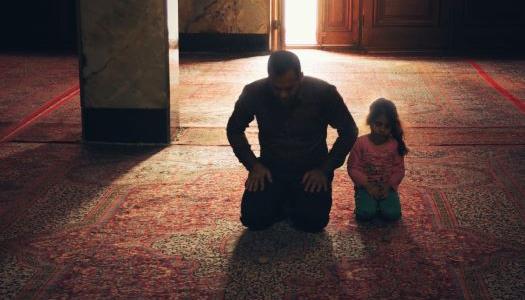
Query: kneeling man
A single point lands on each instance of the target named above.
(292, 177)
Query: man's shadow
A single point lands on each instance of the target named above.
(281, 262)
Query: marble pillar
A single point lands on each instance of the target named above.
(224, 25)
(124, 71)
(224, 16)
(173, 28)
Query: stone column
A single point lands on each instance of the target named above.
(124, 71)
(173, 28)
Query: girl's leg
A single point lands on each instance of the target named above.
(390, 208)
(365, 205)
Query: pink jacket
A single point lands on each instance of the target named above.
(376, 163)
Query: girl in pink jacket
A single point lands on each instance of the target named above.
(376, 164)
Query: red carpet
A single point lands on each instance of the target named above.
(130, 222)
(519, 103)
(27, 82)
(42, 111)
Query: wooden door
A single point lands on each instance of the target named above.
(276, 25)
(338, 22)
(405, 24)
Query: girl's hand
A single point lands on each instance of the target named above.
(374, 190)
(385, 189)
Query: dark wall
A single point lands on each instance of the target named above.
(489, 25)
(35, 25)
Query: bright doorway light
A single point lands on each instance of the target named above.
(300, 22)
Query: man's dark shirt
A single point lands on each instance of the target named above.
(292, 135)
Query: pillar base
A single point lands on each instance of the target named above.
(126, 125)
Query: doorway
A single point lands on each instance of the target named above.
(314, 23)
(300, 22)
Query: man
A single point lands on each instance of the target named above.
(293, 175)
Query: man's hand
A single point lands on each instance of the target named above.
(257, 178)
(315, 181)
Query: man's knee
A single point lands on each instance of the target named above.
(311, 211)
(257, 210)
(256, 217)
(310, 223)
(256, 223)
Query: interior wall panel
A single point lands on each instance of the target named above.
(405, 24)
(406, 13)
(338, 22)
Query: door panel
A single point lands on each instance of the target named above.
(338, 22)
(406, 13)
(405, 24)
(276, 28)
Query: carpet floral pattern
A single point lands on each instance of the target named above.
(90, 222)
(146, 229)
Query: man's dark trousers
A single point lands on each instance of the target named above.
(285, 197)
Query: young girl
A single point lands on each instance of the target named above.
(376, 164)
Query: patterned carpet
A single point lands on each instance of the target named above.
(28, 81)
(79, 221)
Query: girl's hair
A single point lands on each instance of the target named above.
(387, 108)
